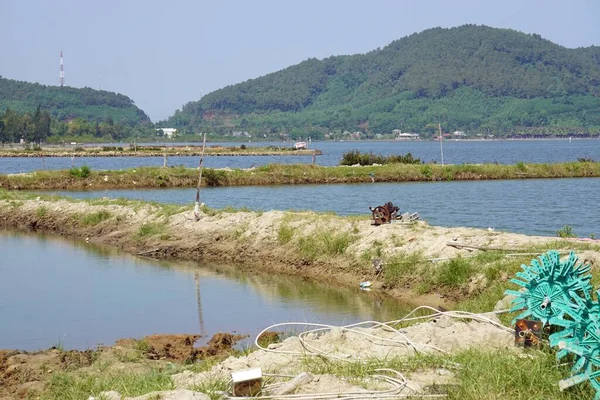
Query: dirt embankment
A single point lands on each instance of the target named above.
(310, 245)
(287, 174)
(23, 374)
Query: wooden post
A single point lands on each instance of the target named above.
(441, 140)
(200, 167)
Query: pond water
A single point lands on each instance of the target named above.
(455, 152)
(535, 206)
(76, 294)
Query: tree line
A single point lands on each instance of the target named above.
(68, 103)
(471, 78)
(40, 127)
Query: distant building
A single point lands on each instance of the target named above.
(458, 134)
(241, 134)
(399, 135)
(168, 132)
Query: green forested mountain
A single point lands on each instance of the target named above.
(67, 103)
(471, 78)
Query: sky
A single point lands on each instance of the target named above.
(163, 54)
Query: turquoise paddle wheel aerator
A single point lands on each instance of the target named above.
(559, 293)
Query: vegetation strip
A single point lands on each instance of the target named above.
(275, 174)
(154, 151)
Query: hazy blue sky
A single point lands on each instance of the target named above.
(163, 54)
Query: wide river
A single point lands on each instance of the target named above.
(534, 206)
(455, 152)
(78, 295)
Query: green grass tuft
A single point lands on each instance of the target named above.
(64, 386)
(151, 229)
(285, 233)
(41, 211)
(454, 273)
(402, 266)
(325, 244)
(95, 218)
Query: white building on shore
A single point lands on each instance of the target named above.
(168, 132)
(404, 135)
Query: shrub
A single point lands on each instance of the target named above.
(214, 177)
(354, 157)
(426, 171)
(111, 148)
(82, 172)
(566, 232)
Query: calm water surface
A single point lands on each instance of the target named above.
(455, 152)
(56, 291)
(535, 207)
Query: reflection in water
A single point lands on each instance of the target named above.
(199, 301)
(82, 294)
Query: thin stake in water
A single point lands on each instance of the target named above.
(441, 141)
(200, 166)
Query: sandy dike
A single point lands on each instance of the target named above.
(254, 240)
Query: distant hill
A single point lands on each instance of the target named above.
(65, 103)
(470, 78)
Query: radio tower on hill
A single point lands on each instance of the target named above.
(61, 77)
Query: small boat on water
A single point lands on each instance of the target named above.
(300, 145)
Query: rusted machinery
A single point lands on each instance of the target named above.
(384, 214)
(389, 212)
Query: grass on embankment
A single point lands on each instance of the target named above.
(275, 174)
(478, 375)
(103, 376)
(153, 151)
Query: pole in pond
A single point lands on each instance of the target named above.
(441, 141)
(165, 158)
(200, 167)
